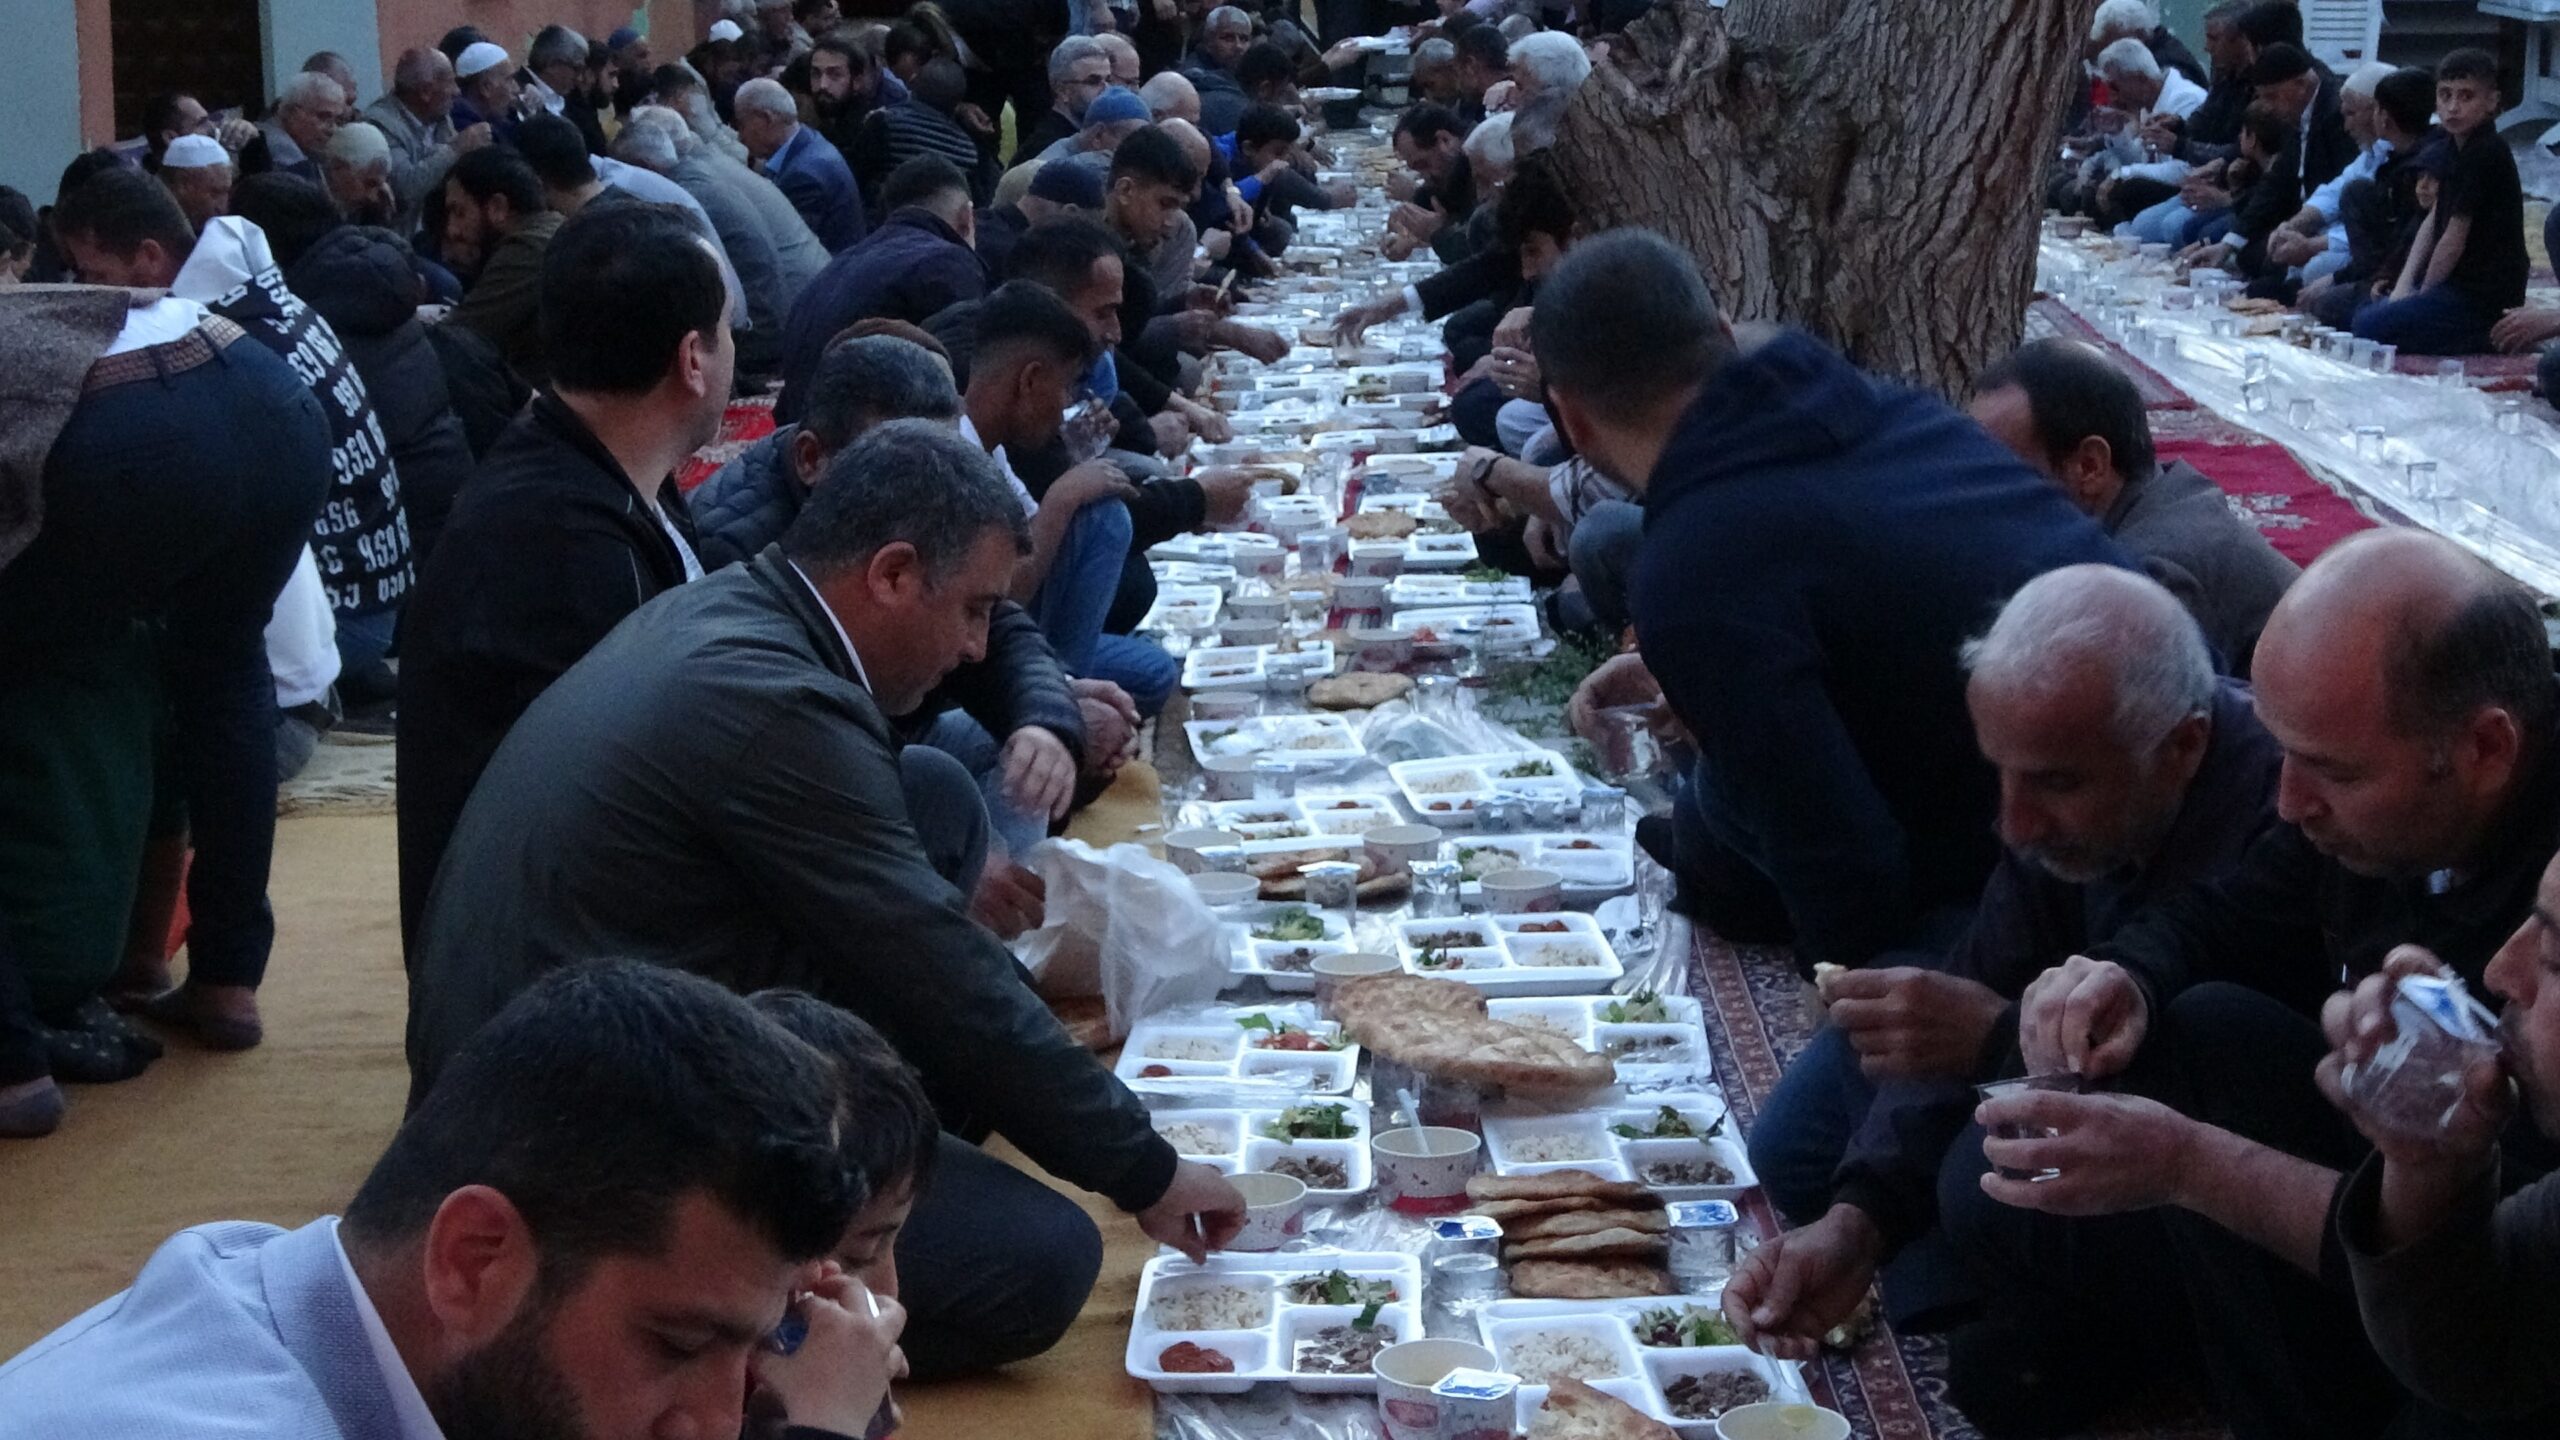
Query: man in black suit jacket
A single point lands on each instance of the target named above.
(572, 521)
(2307, 98)
(717, 788)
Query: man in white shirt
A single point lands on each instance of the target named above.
(2143, 91)
(620, 1188)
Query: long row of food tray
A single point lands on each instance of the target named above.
(1346, 562)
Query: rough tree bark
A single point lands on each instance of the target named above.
(1871, 170)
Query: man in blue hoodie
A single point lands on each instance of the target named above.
(1817, 547)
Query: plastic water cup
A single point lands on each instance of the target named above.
(2254, 366)
(2369, 441)
(2300, 411)
(2510, 417)
(2254, 395)
(2449, 373)
(2424, 483)
(2385, 357)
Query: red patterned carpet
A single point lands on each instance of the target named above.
(746, 422)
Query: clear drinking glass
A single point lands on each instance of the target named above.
(2369, 442)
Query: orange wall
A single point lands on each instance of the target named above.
(410, 23)
(97, 72)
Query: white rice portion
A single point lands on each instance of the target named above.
(1191, 1137)
(1555, 955)
(1210, 1307)
(1538, 1149)
(1543, 1357)
(1190, 1047)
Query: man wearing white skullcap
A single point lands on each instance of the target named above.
(724, 30)
(197, 171)
(490, 94)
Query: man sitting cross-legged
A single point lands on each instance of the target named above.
(2126, 772)
(587, 1228)
(2410, 687)
(716, 787)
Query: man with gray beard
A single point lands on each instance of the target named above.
(2127, 771)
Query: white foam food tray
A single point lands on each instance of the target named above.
(1657, 1042)
(1251, 667)
(1511, 954)
(1427, 551)
(1592, 865)
(1298, 739)
(1286, 1044)
(1301, 818)
(1507, 1326)
(1432, 592)
(1263, 1352)
(1447, 790)
(1253, 1139)
(1282, 965)
(1184, 609)
(1442, 629)
(1527, 1140)
(1192, 572)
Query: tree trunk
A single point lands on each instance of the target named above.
(1871, 170)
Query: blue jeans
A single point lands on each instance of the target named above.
(364, 639)
(955, 734)
(2440, 321)
(1602, 552)
(949, 819)
(2165, 223)
(1805, 1125)
(1084, 576)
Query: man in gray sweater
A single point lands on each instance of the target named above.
(2070, 413)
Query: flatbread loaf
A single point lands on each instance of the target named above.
(1588, 1222)
(1357, 691)
(1508, 1211)
(1381, 525)
(1575, 1411)
(1440, 1027)
(1556, 1184)
(1615, 1243)
(1578, 1280)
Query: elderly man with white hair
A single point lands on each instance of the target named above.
(356, 171)
(1546, 68)
(2136, 20)
(2128, 771)
(1170, 96)
(802, 163)
(2145, 94)
(307, 111)
(197, 171)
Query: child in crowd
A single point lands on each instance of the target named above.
(2467, 266)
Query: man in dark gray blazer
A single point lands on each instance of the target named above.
(717, 787)
(2070, 413)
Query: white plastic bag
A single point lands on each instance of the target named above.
(1127, 925)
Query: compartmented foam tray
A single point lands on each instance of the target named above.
(1284, 1044)
(1234, 1141)
(1283, 965)
(1251, 667)
(1512, 954)
(1658, 1042)
(1442, 630)
(1302, 817)
(1523, 1140)
(1233, 1289)
(1598, 865)
(1433, 592)
(1597, 1340)
(1299, 739)
(1184, 609)
(1446, 791)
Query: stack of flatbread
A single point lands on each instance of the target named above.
(1572, 1235)
(1381, 525)
(1282, 880)
(1440, 1028)
(1575, 1411)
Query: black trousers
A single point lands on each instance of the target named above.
(992, 1267)
(2282, 1352)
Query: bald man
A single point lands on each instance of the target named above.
(2127, 771)
(1171, 97)
(2410, 687)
